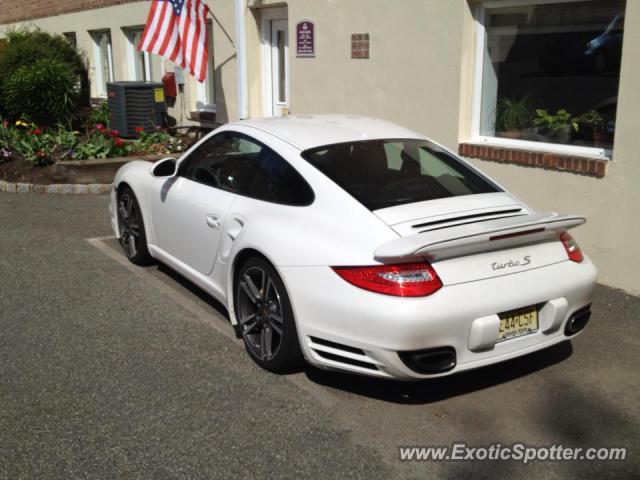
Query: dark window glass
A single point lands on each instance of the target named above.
(551, 72)
(239, 164)
(384, 173)
(71, 38)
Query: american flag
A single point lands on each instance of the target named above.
(177, 31)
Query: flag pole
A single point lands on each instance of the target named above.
(220, 25)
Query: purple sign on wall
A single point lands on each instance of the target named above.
(305, 39)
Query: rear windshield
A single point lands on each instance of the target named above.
(384, 173)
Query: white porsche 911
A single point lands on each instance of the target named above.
(357, 245)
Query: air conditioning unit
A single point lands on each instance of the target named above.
(136, 104)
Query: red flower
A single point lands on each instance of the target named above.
(36, 131)
(100, 127)
(119, 142)
(139, 129)
(114, 133)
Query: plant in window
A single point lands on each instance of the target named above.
(593, 120)
(512, 116)
(595, 124)
(556, 128)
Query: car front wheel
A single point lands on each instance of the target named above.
(265, 317)
(131, 227)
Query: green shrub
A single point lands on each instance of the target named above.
(45, 93)
(25, 47)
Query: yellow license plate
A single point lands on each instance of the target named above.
(517, 323)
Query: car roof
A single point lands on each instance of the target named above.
(309, 131)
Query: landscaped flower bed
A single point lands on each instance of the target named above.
(45, 145)
(28, 151)
(45, 117)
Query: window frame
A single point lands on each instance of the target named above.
(480, 15)
(185, 162)
(132, 51)
(101, 82)
(71, 37)
(205, 91)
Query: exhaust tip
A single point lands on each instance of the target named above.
(577, 321)
(430, 361)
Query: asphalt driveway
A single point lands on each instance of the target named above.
(110, 371)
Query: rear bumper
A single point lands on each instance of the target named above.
(332, 314)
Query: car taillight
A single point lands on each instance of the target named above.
(572, 248)
(403, 280)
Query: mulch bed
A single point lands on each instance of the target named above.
(21, 171)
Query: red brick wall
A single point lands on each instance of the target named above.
(19, 10)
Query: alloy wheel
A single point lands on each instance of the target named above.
(129, 219)
(260, 313)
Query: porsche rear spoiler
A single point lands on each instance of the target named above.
(479, 236)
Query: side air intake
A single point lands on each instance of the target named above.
(343, 354)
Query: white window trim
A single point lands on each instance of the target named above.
(201, 95)
(208, 86)
(476, 137)
(268, 14)
(97, 60)
(131, 54)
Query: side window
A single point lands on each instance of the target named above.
(211, 161)
(237, 163)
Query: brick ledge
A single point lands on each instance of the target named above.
(593, 167)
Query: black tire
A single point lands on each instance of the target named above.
(263, 311)
(131, 227)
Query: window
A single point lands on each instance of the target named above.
(103, 61)
(548, 73)
(384, 173)
(206, 89)
(71, 38)
(139, 63)
(239, 164)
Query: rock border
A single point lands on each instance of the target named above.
(75, 188)
(57, 188)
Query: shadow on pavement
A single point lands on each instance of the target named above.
(194, 289)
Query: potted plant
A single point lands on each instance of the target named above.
(555, 128)
(512, 116)
(594, 122)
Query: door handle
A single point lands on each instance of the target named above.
(213, 221)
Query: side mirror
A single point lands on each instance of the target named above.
(164, 168)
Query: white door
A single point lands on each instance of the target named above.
(276, 61)
(189, 209)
